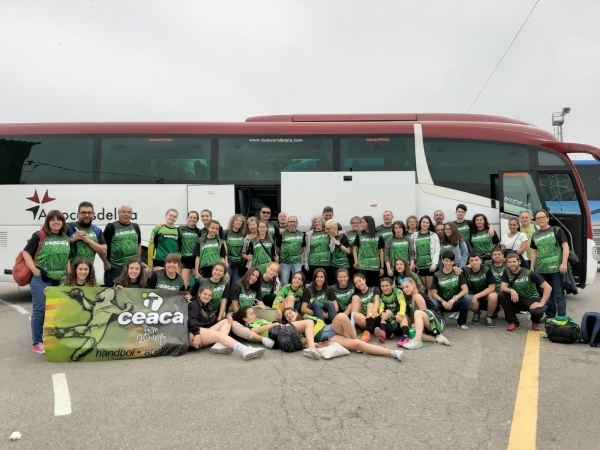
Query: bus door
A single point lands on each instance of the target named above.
(219, 199)
(553, 191)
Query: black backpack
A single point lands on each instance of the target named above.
(563, 330)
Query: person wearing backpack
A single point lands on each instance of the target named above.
(549, 259)
(47, 256)
(87, 240)
(520, 292)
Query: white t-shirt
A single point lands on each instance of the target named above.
(515, 242)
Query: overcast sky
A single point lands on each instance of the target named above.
(187, 61)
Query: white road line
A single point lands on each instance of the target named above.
(62, 399)
(17, 307)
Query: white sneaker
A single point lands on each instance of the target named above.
(441, 339)
(220, 349)
(397, 354)
(454, 315)
(253, 352)
(413, 344)
(268, 342)
(311, 353)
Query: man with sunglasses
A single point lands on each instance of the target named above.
(265, 215)
(86, 239)
(549, 256)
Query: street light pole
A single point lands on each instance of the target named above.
(558, 119)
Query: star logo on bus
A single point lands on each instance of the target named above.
(36, 199)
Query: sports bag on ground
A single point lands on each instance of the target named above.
(590, 329)
(563, 330)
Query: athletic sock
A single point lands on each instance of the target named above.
(384, 327)
(370, 325)
(241, 348)
(404, 331)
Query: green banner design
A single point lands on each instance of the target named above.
(99, 324)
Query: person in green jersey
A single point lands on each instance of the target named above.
(262, 249)
(426, 318)
(351, 236)
(397, 247)
(234, 238)
(527, 228)
(124, 243)
(497, 268)
(451, 291)
(426, 247)
(317, 254)
(392, 309)
(168, 278)
(549, 258)
(385, 229)
(520, 292)
(290, 295)
(219, 287)
(210, 249)
(402, 270)
(318, 299)
(247, 291)
(343, 292)
(265, 216)
(483, 237)
(86, 239)
(82, 274)
(368, 252)
(365, 307)
(47, 256)
(463, 225)
(133, 276)
(452, 241)
(206, 217)
(251, 234)
(270, 284)
(189, 236)
(290, 246)
(204, 329)
(412, 224)
(246, 317)
(482, 290)
(338, 246)
(342, 332)
(164, 240)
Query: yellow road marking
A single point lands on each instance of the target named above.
(523, 432)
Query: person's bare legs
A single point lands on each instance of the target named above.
(342, 326)
(307, 328)
(422, 321)
(358, 345)
(186, 275)
(223, 326)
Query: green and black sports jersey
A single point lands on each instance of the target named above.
(351, 235)
(81, 250)
(220, 290)
(448, 285)
(245, 297)
(343, 296)
(266, 287)
(395, 302)
(164, 282)
(319, 254)
(166, 240)
(483, 243)
(549, 249)
(272, 231)
(235, 243)
(263, 254)
(464, 228)
(320, 297)
(339, 259)
(189, 237)
(527, 283)
(210, 251)
(384, 232)
(399, 248)
(445, 248)
(418, 282)
(290, 244)
(479, 281)
(260, 323)
(124, 245)
(497, 273)
(367, 298)
(368, 251)
(286, 292)
(423, 251)
(54, 256)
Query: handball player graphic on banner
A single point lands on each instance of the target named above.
(96, 324)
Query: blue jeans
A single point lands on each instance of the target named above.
(557, 303)
(234, 273)
(462, 306)
(112, 275)
(38, 299)
(318, 310)
(286, 270)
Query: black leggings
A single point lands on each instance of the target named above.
(268, 300)
(372, 277)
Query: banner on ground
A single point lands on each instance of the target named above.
(98, 324)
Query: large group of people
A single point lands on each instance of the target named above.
(395, 280)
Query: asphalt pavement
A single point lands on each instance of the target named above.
(460, 397)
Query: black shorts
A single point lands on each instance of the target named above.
(483, 304)
(188, 262)
(158, 263)
(425, 272)
(206, 271)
